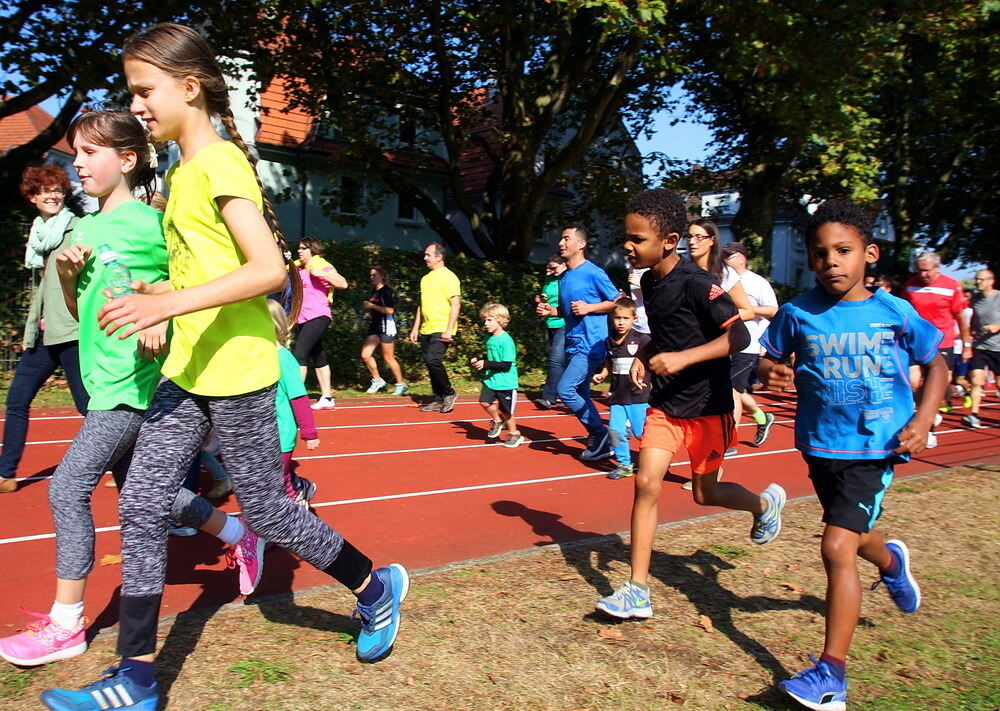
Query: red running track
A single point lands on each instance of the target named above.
(420, 488)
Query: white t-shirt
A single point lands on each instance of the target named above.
(760, 293)
(641, 324)
(729, 278)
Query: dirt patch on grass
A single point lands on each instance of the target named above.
(519, 632)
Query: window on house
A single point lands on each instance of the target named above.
(351, 194)
(407, 131)
(405, 209)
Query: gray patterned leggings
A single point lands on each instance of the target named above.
(104, 441)
(171, 435)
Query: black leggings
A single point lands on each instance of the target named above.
(309, 342)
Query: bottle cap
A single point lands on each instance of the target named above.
(105, 254)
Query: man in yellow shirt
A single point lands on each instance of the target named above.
(436, 323)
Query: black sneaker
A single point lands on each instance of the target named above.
(543, 404)
(763, 430)
(598, 447)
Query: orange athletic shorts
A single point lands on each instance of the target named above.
(705, 438)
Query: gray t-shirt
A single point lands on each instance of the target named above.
(985, 310)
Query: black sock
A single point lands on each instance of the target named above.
(894, 569)
(371, 592)
(143, 673)
(837, 666)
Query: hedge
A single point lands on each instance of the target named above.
(512, 284)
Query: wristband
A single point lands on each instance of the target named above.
(967, 344)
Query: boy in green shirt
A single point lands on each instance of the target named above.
(499, 394)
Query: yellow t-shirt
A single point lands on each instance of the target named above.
(436, 288)
(227, 350)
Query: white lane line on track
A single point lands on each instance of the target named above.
(455, 490)
(422, 422)
(418, 494)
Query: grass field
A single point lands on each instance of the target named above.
(519, 632)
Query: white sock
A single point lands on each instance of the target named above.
(67, 616)
(232, 532)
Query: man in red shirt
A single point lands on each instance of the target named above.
(939, 299)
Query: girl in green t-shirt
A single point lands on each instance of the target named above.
(222, 368)
(112, 158)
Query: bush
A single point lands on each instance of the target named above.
(512, 284)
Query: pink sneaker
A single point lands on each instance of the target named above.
(248, 554)
(44, 641)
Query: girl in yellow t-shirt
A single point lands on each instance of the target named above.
(222, 367)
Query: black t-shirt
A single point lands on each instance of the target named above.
(620, 357)
(380, 322)
(686, 308)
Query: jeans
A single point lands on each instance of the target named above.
(574, 389)
(34, 368)
(634, 415)
(556, 348)
(433, 350)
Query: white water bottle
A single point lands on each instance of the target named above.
(117, 277)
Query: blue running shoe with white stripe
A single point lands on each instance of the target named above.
(113, 691)
(380, 620)
(817, 688)
(630, 600)
(903, 589)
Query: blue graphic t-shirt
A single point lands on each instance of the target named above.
(851, 370)
(585, 334)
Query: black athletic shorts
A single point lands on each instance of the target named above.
(949, 357)
(850, 490)
(506, 400)
(741, 370)
(981, 360)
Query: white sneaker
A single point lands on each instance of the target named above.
(375, 386)
(931, 440)
(324, 403)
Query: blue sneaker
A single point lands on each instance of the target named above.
(817, 688)
(903, 590)
(630, 600)
(380, 621)
(598, 447)
(767, 526)
(113, 691)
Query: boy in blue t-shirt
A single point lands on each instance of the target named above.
(586, 296)
(499, 394)
(852, 349)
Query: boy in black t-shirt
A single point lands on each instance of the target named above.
(694, 327)
(628, 402)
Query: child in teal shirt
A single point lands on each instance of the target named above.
(499, 394)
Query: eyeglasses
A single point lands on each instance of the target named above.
(698, 238)
(51, 191)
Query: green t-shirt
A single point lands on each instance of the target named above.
(551, 289)
(112, 371)
(290, 386)
(501, 348)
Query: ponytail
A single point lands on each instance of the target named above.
(229, 122)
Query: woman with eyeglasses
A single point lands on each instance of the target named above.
(555, 332)
(50, 331)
